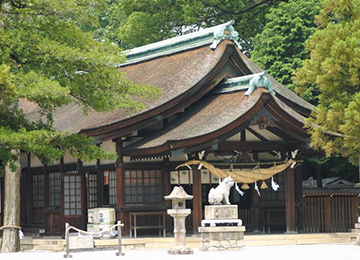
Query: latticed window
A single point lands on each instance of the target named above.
(93, 199)
(112, 187)
(143, 186)
(55, 189)
(72, 194)
(38, 190)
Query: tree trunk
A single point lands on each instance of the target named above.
(11, 239)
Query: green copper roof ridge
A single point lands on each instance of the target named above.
(165, 51)
(213, 35)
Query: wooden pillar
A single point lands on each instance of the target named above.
(299, 198)
(166, 191)
(255, 208)
(197, 201)
(255, 211)
(290, 200)
(166, 181)
(119, 181)
(328, 218)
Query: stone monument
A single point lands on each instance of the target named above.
(221, 229)
(179, 212)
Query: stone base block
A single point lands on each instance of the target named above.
(221, 238)
(180, 251)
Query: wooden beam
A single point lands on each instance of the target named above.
(260, 146)
(290, 200)
(256, 134)
(243, 135)
(276, 131)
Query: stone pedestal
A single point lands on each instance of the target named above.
(221, 230)
(357, 227)
(222, 238)
(179, 216)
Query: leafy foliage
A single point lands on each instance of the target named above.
(280, 47)
(50, 57)
(333, 68)
(332, 166)
(133, 23)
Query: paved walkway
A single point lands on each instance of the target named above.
(300, 252)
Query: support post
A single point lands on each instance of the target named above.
(67, 242)
(255, 211)
(167, 189)
(197, 201)
(119, 180)
(119, 253)
(290, 200)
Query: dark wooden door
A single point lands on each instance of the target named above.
(74, 199)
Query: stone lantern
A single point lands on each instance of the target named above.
(179, 212)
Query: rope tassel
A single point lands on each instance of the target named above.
(245, 186)
(263, 185)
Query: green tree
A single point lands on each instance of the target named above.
(280, 48)
(139, 22)
(48, 56)
(333, 67)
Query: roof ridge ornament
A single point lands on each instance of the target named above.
(225, 32)
(247, 82)
(260, 80)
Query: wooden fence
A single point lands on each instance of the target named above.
(245, 216)
(330, 212)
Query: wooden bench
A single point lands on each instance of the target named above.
(135, 225)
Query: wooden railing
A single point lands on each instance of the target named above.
(330, 212)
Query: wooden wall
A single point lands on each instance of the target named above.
(330, 212)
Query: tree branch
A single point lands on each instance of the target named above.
(245, 9)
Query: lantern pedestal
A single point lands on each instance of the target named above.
(179, 213)
(179, 216)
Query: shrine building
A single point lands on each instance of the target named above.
(216, 106)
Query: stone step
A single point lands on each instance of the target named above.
(295, 242)
(48, 241)
(52, 248)
(299, 236)
(58, 244)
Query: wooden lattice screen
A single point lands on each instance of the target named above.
(330, 212)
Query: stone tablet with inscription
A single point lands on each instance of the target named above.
(219, 212)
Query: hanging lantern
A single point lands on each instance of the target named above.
(263, 185)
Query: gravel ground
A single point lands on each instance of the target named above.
(304, 252)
